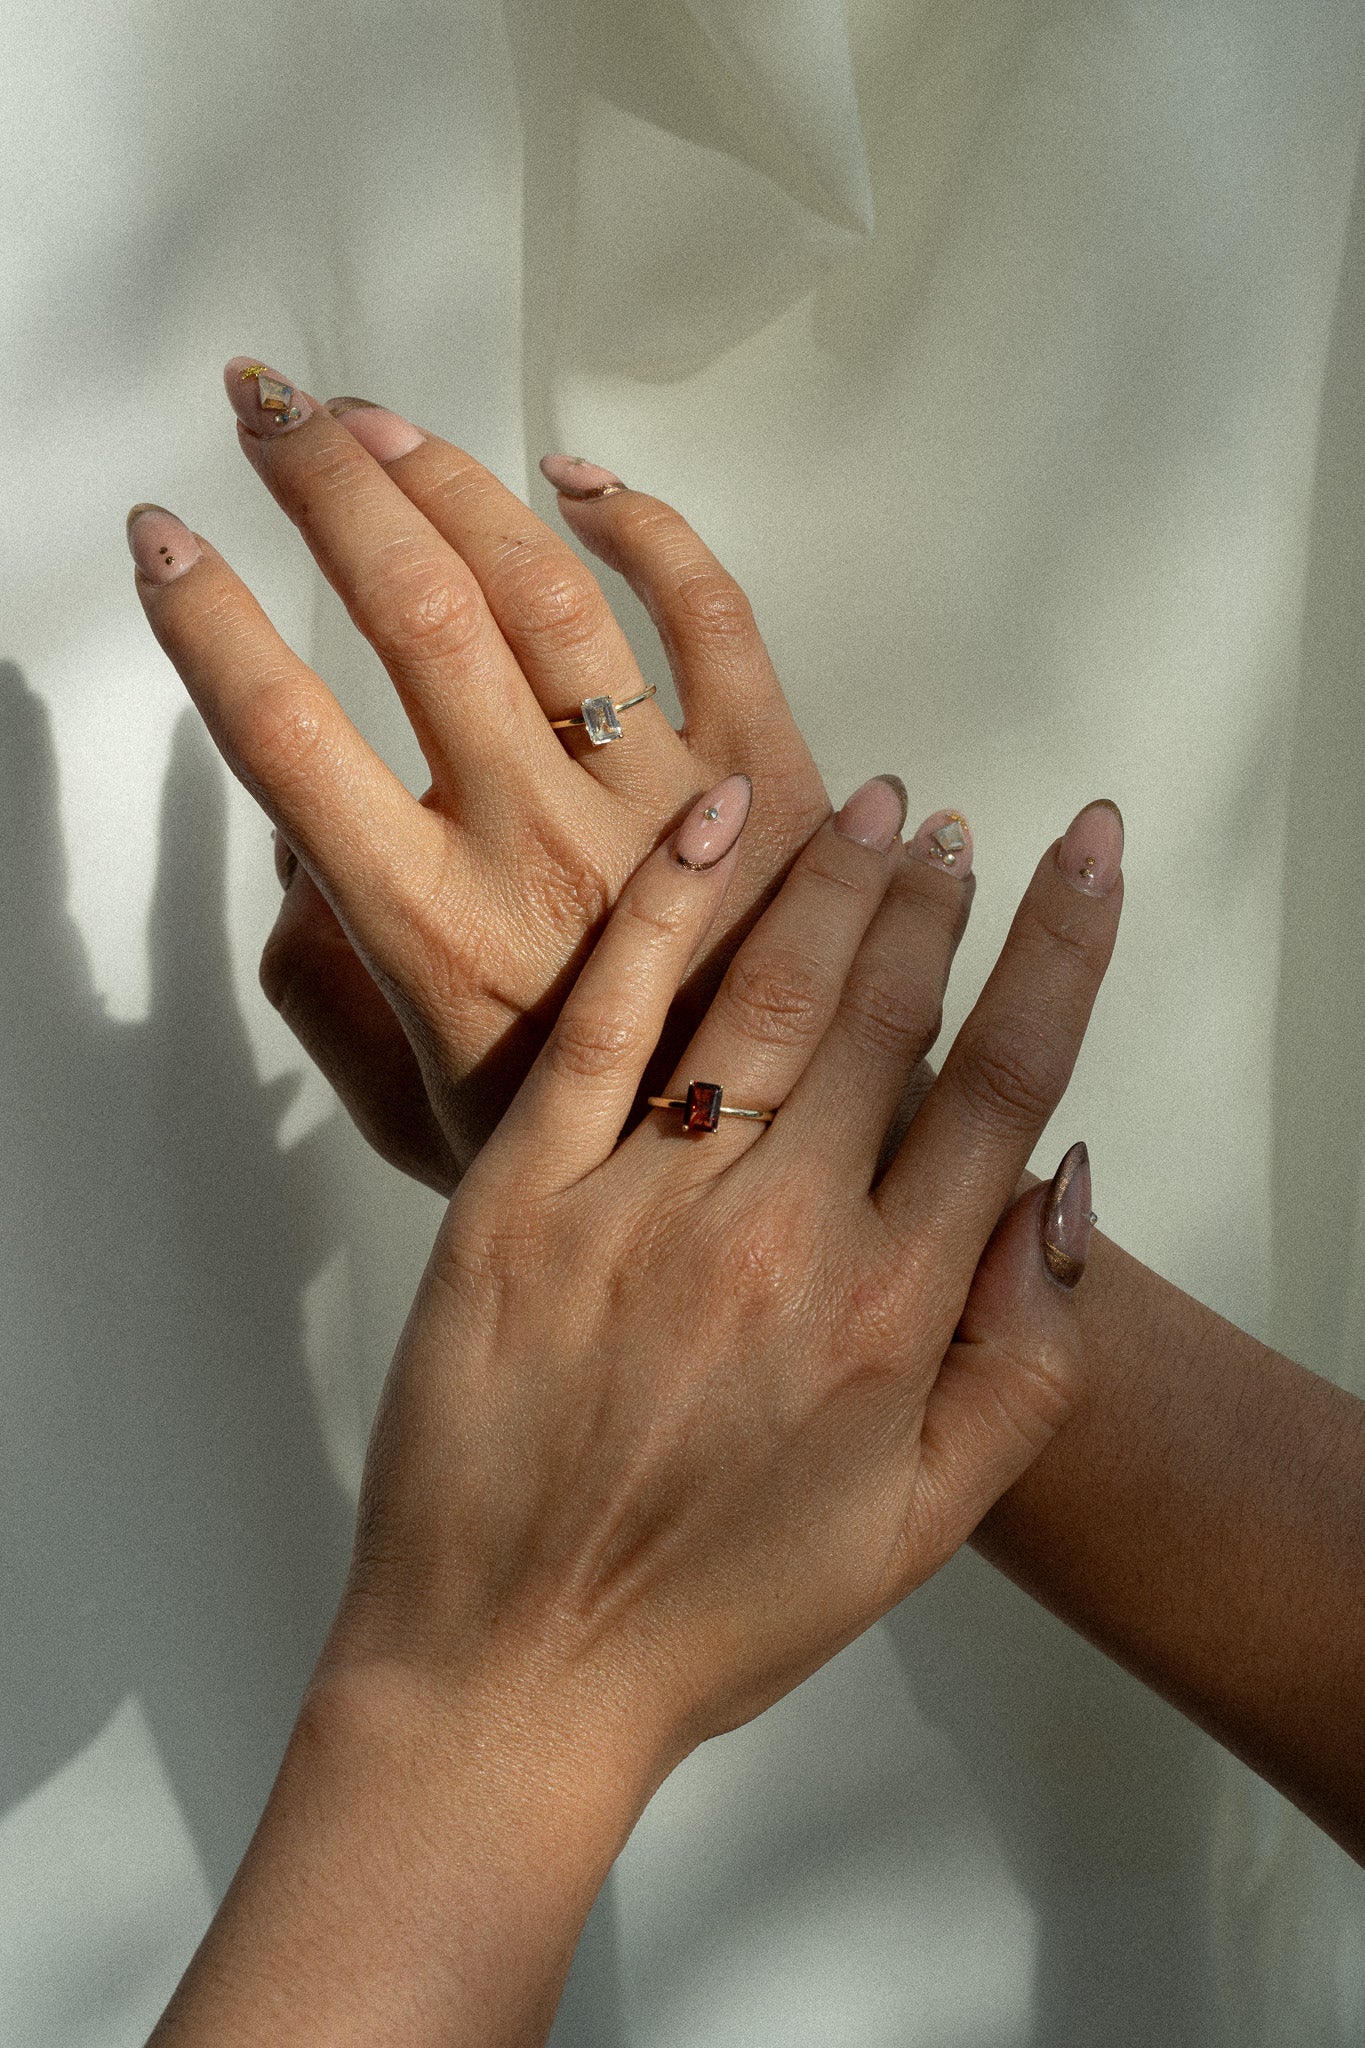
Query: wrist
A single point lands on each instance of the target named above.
(427, 1858)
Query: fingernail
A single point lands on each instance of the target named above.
(1091, 853)
(266, 403)
(1067, 1218)
(713, 824)
(162, 545)
(946, 840)
(576, 477)
(874, 814)
(386, 434)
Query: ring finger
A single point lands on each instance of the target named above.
(783, 986)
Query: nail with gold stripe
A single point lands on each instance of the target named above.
(1067, 1218)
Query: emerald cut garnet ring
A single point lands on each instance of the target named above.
(703, 1109)
(599, 718)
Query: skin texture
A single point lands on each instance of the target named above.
(1146, 1521)
(672, 1420)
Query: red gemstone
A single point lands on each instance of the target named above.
(701, 1110)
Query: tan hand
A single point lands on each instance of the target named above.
(423, 947)
(675, 1417)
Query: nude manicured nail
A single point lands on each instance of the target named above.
(576, 477)
(386, 434)
(713, 824)
(1067, 1218)
(945, 839)
(874, 814)
(1091, 853)
(162, 545)
(266, 403)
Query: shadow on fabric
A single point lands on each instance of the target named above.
(172, 1528)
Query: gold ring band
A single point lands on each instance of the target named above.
(703, 1109)
(600, 718)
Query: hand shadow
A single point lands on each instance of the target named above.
(172, 1527)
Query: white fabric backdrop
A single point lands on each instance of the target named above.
(1014, 357)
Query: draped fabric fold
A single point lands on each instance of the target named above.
(1012, 357)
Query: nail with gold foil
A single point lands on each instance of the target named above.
(266, 403)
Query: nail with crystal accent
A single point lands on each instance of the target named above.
(161, 545)
(874, 814)
(267, 404)
(575, 477)
(1067, 1218)
(713, 824)
(945, 839)
(1091, 853)
(386, 434)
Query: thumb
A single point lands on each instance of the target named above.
(1014, 1370)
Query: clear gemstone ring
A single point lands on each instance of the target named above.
(600, 718)
(703, 1109)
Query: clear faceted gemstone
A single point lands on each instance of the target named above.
(274, 397)
(600, 721)
(950, 837)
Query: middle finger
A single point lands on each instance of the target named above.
(419, 606)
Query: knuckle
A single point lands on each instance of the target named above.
(881, 1015)
(713, 607)
(539, 596)
(424, 610)
(1010, 1081)
(776, 1000)
(280, 736)
(560, 885)
(590, 1042)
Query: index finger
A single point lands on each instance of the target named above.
(960, 1162)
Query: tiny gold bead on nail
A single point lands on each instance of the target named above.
(1088, 868)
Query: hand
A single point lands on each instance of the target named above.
(422, 948)
(676, 1417)
(673, 1418)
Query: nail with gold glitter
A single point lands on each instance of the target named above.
(1067, 1219)
(161, 545)
(573, 476)
(266, 403)
(1091, 853)
(945, 841)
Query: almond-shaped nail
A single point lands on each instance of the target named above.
(1091, 852)
(713, 824)
(266, 403)
(387, 435)
(945, 840)
(162, 545)
(875, 813)
(1067, 1218)
(576, 477)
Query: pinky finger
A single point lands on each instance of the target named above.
(569, 1112)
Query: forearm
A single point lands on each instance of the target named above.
(1202, 1519)
(421, 1874)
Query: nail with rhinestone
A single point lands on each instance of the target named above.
(573, 476)
(945, 841)
(713, 824)
(267, 404)
(161, 545)
(1091, 853)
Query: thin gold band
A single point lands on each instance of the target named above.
(758, 1116)
(627, 704)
